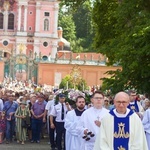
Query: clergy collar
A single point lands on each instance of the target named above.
(97, 108)
(121, 115)
(78, 112)
(61, 103)
(132, 102)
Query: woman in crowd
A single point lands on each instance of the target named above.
(2, 125)
(30, 103)
(21, 113)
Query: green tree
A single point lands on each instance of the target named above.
(123, 34)
(73, 3)
(69, 30)
(66, 81)
(84, 25)
(82, 18)
(66, 22)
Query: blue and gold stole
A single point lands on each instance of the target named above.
(121, 131)
(134, 106)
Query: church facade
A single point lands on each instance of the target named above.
(32, 46)
(28, 26)
(28, 29)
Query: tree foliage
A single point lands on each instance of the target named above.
(123, 34)
(66, 22)
(79, 22)
(73, 3)
(66, 81)
(84, 25)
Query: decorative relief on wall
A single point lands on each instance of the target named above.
(7, 5)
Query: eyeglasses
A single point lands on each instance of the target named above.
(105, 100)
(121, 102)
(97, 98)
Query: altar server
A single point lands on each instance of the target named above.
(90, 121)
(121, 129)
(73, 141)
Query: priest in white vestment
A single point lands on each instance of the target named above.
(121, 129)
(73, 140)
(146, 124)
(90, 121)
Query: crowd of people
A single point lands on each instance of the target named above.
(121, 122)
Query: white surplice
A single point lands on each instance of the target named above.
(146, 124)
(87, 121)
(73, 140)
(137, 139)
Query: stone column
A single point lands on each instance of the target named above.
(56, 8)
(38, 7)
(19, 17)
(37, 46)
(25, 18)
(5, 21)
(54, 50)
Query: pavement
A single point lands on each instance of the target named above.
(43, 145)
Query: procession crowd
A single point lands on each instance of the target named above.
(120, 122)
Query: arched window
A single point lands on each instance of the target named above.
(46, 25)
(11, 21)
(1, 20)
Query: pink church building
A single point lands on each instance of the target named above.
(32, 46)
(28, 27)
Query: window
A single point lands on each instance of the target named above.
(30, 28)
(46, 14)
(1, 20)
(30, 12)
(45, 44)
(46, 25)
(5, 43)
(11, 21)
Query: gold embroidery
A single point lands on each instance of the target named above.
(133, 107)
(121, 148)
(121, 133)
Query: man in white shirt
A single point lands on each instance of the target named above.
(48, 110)
(90, 121)
(121, 129)
(73, 141)
(59, 111)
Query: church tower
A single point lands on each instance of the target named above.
(30, 24)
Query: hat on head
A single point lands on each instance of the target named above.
(51, 97)
(62, 95)
(23, 102)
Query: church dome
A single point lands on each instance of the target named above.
(63, 44)
(59, 28)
